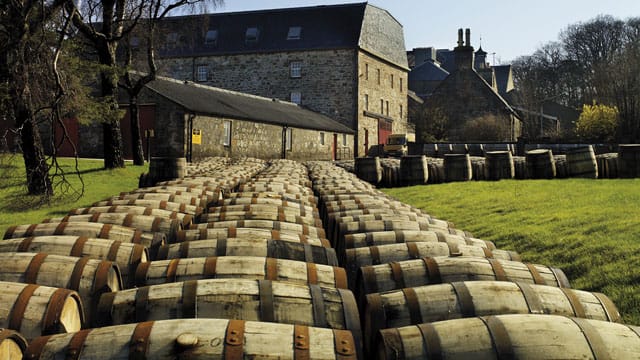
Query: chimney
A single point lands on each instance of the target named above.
(464, 52)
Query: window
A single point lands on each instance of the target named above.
(202, 73)
(295, 69)
(387, 108)
(227, 133)
(378, 72)
(296, 97)
(287, 139)
(366, 102)
(392, 79)
(344, 139)
(295, 33)
(400, 84)
(211, 38)
(366, 71)
(401, 111)
(321, 138)
(252, 35)
(381, 106)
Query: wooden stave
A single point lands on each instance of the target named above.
(161, 340)
(249, 233)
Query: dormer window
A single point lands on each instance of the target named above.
(252, 35)
(211, 38)
(295, 33)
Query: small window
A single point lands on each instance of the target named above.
(366, 102)
(401, 112)
(202, 73)
(344, 139)
(295, 33)
(387, 108)
(401, 84)
(392, 79)
(211, 39)
(366, 71)
(378, 72)
(381, 106)
(321, 138)
(172, 39)
(252, 35)
(296, 97)
(295, 69)
(227, 133)
(287, 139)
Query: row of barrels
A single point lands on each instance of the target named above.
(479, 149)
(580, 162)
(437, 292)
(251, 274)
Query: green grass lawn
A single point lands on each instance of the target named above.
(588, 228)
(18, 208)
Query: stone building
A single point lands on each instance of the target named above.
(197, 121)
(465, 95)
(347, 62)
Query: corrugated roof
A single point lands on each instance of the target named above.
(207, 100)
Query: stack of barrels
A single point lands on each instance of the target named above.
(577, 162)
(428, 290)
(229, 261)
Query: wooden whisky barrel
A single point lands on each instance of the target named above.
(156, 204)
(369, 169)
(197, 339)
(89, 277)
(426, 304)
(262, 214)
(376, 238)
(305, 199)
(540, 164)
(249, 233)
(311, 231)
(187, 199)
(185, 219)
(245, 267)
(250, 247)
(581, 162)
(511, 337)
(167, 168)
(35, 310)
(126, 255)
(499, 165)
(437, 270)
(12, 344)
(414, 170)
(457, 167)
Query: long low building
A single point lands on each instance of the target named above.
(196, 121)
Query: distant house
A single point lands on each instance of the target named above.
(197, 121)
(466, 93)
(347, 62)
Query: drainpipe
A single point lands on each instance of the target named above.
(284, 143)
(189, 137)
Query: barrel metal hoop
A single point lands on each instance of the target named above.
(172, 268)
(267, 311)
(58, 231)
(431, 340)
(308, 253)
(52, 312)
(609, 307)
(595, 341)
(301, 342)
(318, 305)
(232, 232)
(234, 340)
(20, 306)
(345, 346)
(393, 341)
(499, 337)
(433, 270)
(104, 232)
(209, 270)
(414, 252)
(340, 276)
(369, 279)
(498, 270)
(190, 299)
(576, 305)
(10, 231)
(271, 268)
(141, 273)
(275, 234)
(487, 253)
(221, 247)
(202, 234)
(103, 311)
(142, 303)
(413, 303)
(31, 273)
(312, 274)
(531, 298)
(74, 349)
(95, 217)
(163, 251)
(396, 272)
(375, 255)
(25, 244)
(535, 274)
(467, 308)
(140, 341)
(112, 255)
(102, 276)
(76, 274)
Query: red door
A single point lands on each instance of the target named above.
(147, 116)
(384, 130)
(66, 139)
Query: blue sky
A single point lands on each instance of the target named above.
(508, 28)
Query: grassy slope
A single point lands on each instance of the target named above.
(588, 228)
(17, 208)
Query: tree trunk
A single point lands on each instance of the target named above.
(38, 181)
(112, 135)
(136, 139)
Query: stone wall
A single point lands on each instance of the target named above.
(326, 84)
(380, 81)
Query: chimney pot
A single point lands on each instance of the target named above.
(460, 42)
(468, 37)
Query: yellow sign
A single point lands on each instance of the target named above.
(196, 136)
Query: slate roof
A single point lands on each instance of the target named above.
(207, 100)
(428, 71)
(503, 78)
(322, 27)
